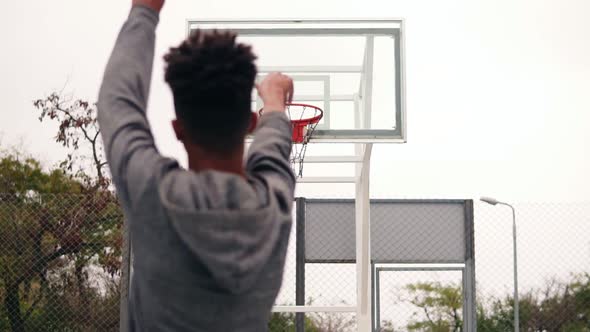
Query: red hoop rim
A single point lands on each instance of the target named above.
(300, 122)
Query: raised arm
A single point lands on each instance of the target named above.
(269, 154)
(122, 102)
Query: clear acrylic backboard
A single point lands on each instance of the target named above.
(352, 69)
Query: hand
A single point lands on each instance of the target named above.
(153, 4)
(275, 90)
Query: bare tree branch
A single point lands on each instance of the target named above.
(42, 262)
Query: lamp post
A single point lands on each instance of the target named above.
(493, 201)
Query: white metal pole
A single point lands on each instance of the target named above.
(363, 230)
(367, 77)
(363, 242)
(515, 268)
(494, 201)
(514, 260)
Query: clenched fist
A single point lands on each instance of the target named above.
(275, 90)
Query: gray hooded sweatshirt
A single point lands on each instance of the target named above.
(208, 247)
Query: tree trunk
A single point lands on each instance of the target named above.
(82, 298)
(12, 303)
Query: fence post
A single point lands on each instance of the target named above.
(300, 262)
(125, 279)
(470, 319)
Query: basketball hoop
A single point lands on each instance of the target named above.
(304, 120)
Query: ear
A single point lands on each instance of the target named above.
(253, 122)
(178, 130)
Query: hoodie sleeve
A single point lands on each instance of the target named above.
(269, 158)
(122, 102)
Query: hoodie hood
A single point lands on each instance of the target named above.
(231, 234)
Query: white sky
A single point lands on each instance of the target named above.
(498, 100)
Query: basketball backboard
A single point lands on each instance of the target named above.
(352, 69)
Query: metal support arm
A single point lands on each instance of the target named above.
(363, 240)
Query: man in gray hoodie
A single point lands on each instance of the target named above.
(209, 242)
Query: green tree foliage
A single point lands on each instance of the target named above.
(387, 326)
(60, 230)
(440, 304)
(285, 322)
(313, 322)
(51, 227)
(559, 306)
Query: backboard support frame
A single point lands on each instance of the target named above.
(368, 28)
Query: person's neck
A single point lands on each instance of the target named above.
(200, 160)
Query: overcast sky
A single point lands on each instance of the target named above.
(497, 91)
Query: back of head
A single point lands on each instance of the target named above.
(212, 77)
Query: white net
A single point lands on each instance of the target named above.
(304, 119)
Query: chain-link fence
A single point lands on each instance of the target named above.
(61, 270)
(553, 271)
(553, 250)
(553, 274)
(313, 322)
(317, 282)
(60, 262)
(553, 266)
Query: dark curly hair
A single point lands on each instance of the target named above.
(212, 77)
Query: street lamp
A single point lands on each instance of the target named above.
(494, 201)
